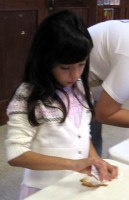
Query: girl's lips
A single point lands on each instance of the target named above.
(70, 83)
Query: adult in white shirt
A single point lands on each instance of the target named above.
(110, 66)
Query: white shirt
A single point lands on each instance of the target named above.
(109, 59)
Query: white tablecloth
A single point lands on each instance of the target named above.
(70, 188)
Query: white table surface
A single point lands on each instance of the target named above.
(120, 152)
(70, 188)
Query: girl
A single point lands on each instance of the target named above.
(50, 113)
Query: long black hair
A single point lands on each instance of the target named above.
(61, 38)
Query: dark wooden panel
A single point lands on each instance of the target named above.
(17, 29)
(18, 22)
(3, 116)
(86, 9)
(71, 3)
(39, 5)
(117, 13)
(84, 13)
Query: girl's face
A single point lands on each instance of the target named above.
(68, 74)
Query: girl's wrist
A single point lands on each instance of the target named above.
(71, 164)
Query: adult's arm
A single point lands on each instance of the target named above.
(109, 111)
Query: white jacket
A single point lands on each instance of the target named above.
(50, 138)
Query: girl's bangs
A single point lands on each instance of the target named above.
(73, 54)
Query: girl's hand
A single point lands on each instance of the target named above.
(105, 170)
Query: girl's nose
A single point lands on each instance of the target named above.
(75, 73)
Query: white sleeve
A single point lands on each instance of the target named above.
(19, 135)
(117, 82)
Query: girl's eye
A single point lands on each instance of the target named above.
(82, 64)
(65, 68)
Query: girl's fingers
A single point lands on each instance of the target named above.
(106, 171)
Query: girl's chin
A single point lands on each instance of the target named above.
(70, 83)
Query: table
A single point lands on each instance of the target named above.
(70, 188)
(120, 152)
